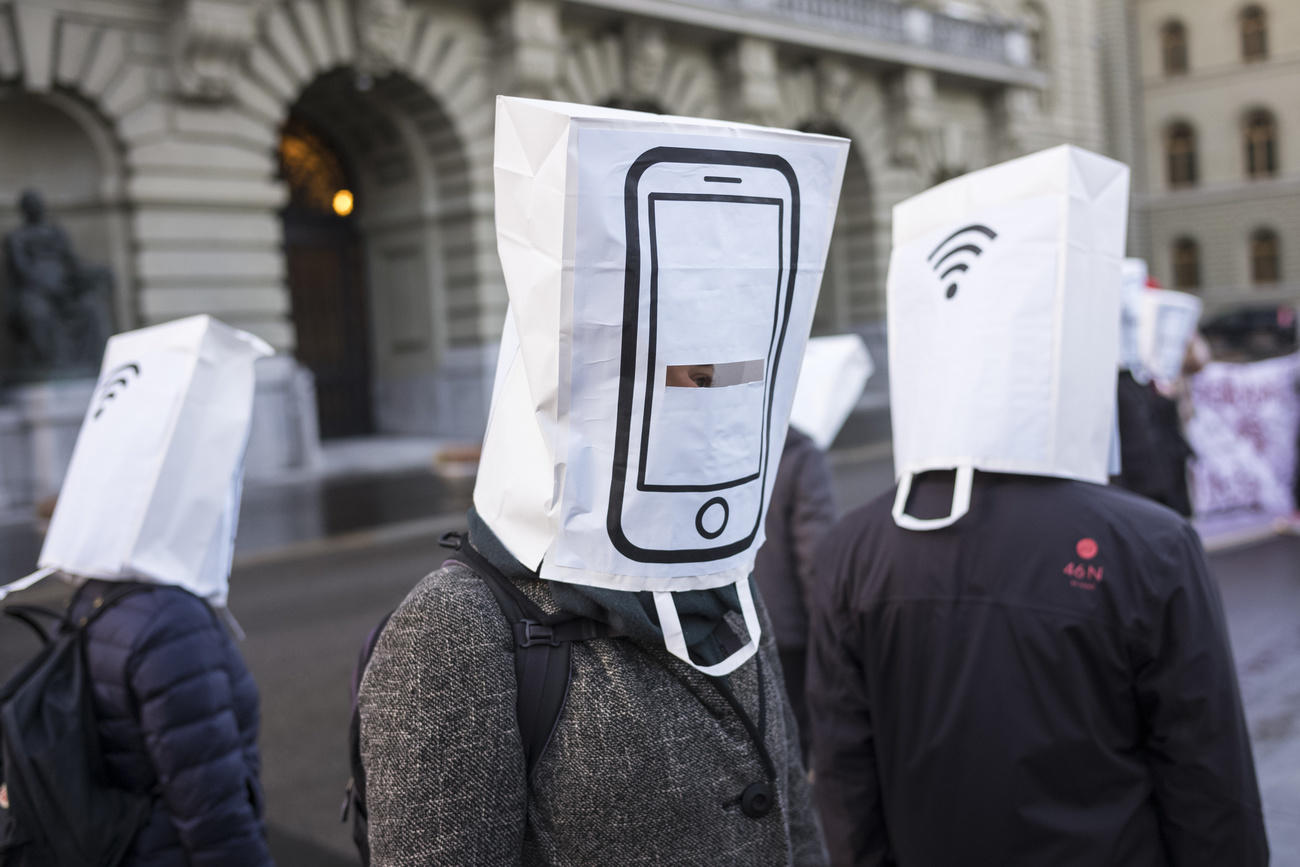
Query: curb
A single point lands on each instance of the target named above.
(356, 540)
(1250, 535)
(860, 454)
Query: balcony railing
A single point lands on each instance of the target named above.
(892, 22)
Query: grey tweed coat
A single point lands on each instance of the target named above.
(646, 766)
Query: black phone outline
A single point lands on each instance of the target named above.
(631, 321)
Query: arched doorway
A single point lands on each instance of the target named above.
(326, 275)
(402, 264)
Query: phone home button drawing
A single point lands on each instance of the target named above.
(717, 516)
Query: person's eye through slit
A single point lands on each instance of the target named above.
(690, 376)
(721, 375)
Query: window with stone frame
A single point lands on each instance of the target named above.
(1187, 264)
(1265, 268)
(1260, 138)
(1180, 155)
(1173, 47)
(1254, 34)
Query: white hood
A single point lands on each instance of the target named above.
(1003, 318)
(632, 243)
(152, 491)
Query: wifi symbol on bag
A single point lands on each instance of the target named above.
(115, 381)
(960, 245)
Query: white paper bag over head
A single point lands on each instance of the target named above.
(152, 491)
(834, 372)
(634, 243)
(1003, 320)
(1166, 325)
(1133, 286)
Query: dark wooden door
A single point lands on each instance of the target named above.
(328, 292)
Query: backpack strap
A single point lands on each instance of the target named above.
(354, 794)
(102, 604)
(31, 614)
(542, 649)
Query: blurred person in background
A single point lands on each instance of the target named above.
(1153, 396)
(800, 512)
(1153, 450)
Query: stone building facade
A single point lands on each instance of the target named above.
(197, 147)
(1220, 90)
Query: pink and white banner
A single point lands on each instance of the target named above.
(1245, 434)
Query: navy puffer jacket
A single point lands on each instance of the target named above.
(178, 716)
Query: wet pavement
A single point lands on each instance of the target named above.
(273, 518)
(1261, 595)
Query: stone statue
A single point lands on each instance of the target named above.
(58, 310)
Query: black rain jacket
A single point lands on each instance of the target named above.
(1046, 682)
(801, 510)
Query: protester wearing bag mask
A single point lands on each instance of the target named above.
(145, 527)
(674, 743)
(1017, 665)
(1158, 327)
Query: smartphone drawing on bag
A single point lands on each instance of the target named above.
(712, 240)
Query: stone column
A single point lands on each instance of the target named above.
(914, 115)
(1012, 112)
(751, 71)
(530, 40)
(645, 54)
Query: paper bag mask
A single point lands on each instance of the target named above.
(1003, 321)
(834, 372)
(637, 249)
(152, 491)
(1133, 286)
(1166, 325)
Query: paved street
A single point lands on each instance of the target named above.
(1261, 593)
(306, 612)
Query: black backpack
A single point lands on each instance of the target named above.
(60, 808)
(542, 657)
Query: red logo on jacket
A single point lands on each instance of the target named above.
(1085, 576)
(1086, 548)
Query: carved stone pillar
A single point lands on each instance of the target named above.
(530, 36)
(914, 116)
(209, 40)
(913, 109)
(645, 55)
(833, 79)
(1012, 111)
(752, 72)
